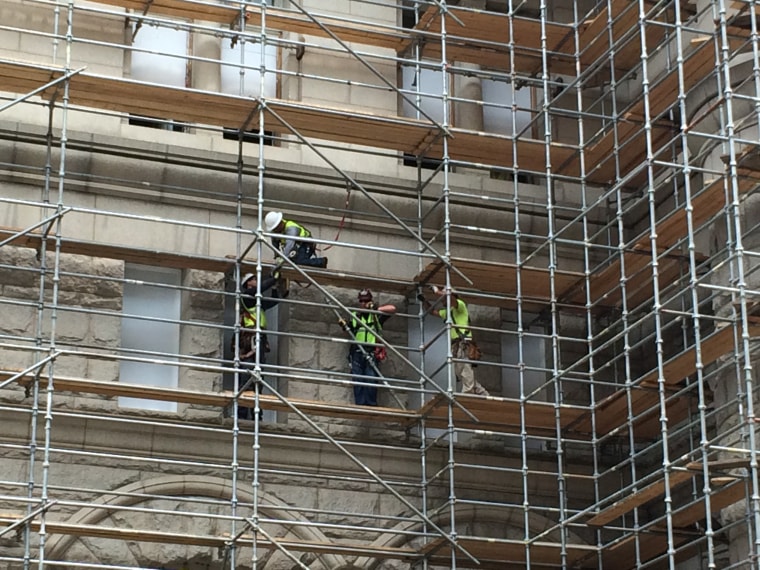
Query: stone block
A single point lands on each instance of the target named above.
(18, 319)
(301, 352)
(303, 390)
(16, 359)
(335, 393)
(103, 370)
(69, 326)
(17, 276)
(25, 293)
(201, 341)
(71, 365)
(105, 330)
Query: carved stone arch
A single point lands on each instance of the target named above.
(469, 516)
(189, 486)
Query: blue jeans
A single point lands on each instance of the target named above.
(360, 366)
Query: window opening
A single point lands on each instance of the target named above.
(164, 63)
(143, 298)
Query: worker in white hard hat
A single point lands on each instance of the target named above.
(366, 354)
(299, 252)
(252, 317)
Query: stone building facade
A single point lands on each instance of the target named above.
(126, 230)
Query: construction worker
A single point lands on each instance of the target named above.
(364, 356)
(462, 345)
(250, 316)
(299, 252)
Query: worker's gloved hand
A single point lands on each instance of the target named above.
(421, 298)
(342, 323)
(434, 288)
(370, 305)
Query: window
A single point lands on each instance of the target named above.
(241, 75)
(144, 299)
(246, 57)
(498, 115)
(427, 84)
(164, 64)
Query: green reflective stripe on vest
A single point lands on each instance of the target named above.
(249, 320)
(302, 231)
(363, 335)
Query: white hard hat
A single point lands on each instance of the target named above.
(272, 220)
(247, 277)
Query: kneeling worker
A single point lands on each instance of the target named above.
(299, 252)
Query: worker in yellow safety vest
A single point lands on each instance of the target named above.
(463, 347)
(365, 353)
(292, 245)
(250, 316)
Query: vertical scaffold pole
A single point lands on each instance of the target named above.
(741, 287)
(656, 304)
(552, 251)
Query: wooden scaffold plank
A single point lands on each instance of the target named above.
(390, 132)
(501, 551)
(163, 258)
(53, 527)
(639, 498)
(502, 279)
(220, 399)
(612, 412)
(493, 39)
(605, 283)
(652, 541)
(279, 19)
(501, 414)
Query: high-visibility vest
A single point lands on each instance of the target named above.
(363, 335)
(302, 231)
(249, 319)
(460, 315)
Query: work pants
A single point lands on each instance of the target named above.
(360, 366)
(464, 370)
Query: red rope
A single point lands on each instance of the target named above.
(342, 219)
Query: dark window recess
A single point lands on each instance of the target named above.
(251, 136)
(408, 17)
(163, 124)
(427, 163)
(522, 177)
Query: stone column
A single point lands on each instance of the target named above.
(206, 75)
(468, 115)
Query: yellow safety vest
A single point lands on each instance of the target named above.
(249, 320)
(363, 335)
(302, 231)
(461, 317)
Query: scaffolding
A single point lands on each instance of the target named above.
(582, 174)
